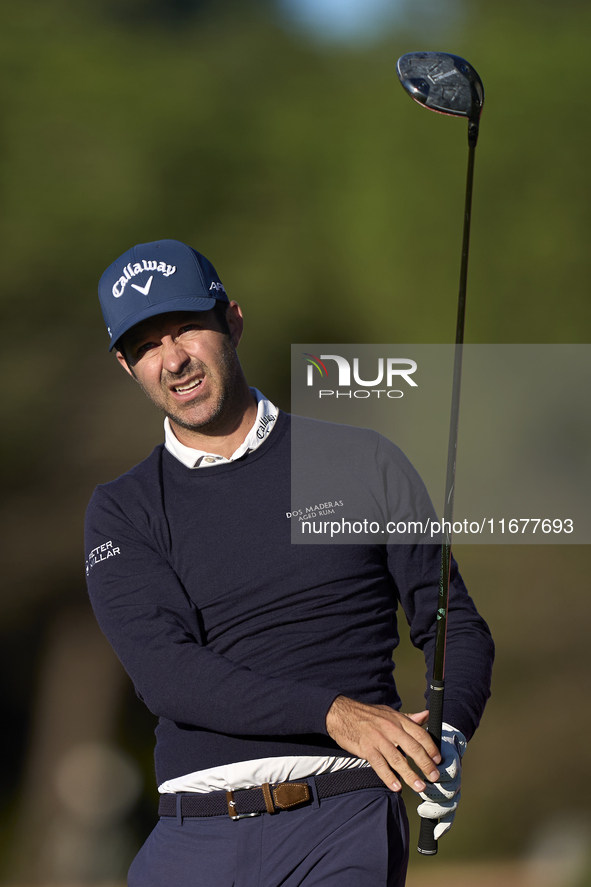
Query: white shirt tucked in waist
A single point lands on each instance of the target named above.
(247, 774)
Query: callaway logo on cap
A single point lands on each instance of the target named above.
(155, 278)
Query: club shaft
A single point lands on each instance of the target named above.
(427, 843)
(465, 251)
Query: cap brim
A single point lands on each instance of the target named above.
(185, 304)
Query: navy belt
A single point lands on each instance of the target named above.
(268, 798)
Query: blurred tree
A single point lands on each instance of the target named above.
(171, 14)
(76, 712)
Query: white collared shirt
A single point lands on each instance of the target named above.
(263, 424)
(246, 774)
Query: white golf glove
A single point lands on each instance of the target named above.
(441, 799)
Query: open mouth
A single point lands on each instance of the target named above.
(187, 387)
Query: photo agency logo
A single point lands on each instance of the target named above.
(391, 372)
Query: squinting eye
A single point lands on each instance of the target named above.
(147, 346)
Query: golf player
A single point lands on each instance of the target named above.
(281, 750)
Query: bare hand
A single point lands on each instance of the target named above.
(383, 737)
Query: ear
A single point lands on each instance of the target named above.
(121, 358)
(235, 322)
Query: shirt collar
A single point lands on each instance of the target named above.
(263, 425)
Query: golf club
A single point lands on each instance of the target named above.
(447, 84)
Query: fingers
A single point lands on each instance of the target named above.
(385, 738)
(418, 745)
(380, 766)
(416, 742)
(392, 752)
(419, 717)
(393, 768)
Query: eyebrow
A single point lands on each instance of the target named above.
(148, 332)
(133, 340)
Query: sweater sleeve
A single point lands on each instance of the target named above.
(156, 631)
(415, 569)
(469, 649)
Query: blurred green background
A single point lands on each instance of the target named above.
(280, 144)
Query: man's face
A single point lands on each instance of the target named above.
(187, 366)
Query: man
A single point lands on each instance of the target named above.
(280, 748)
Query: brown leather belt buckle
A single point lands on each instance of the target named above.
(284, 796)
(232, 808)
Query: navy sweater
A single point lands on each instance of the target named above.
(238, 639)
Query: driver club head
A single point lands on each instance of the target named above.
(442, 82)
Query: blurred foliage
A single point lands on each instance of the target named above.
(329, 203)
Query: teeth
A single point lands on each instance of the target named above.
(181, 389)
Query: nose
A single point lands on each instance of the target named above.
(174, 356)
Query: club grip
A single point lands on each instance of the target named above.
(427, 845)
(435, 722)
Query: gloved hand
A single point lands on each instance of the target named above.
(441, 799)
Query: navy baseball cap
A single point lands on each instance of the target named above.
(155, 278)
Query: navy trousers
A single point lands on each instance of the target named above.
(359, 839)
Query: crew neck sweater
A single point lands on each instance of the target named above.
(239, 640)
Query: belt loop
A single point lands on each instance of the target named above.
(314, 792)
(268, 798)
(179, 809)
